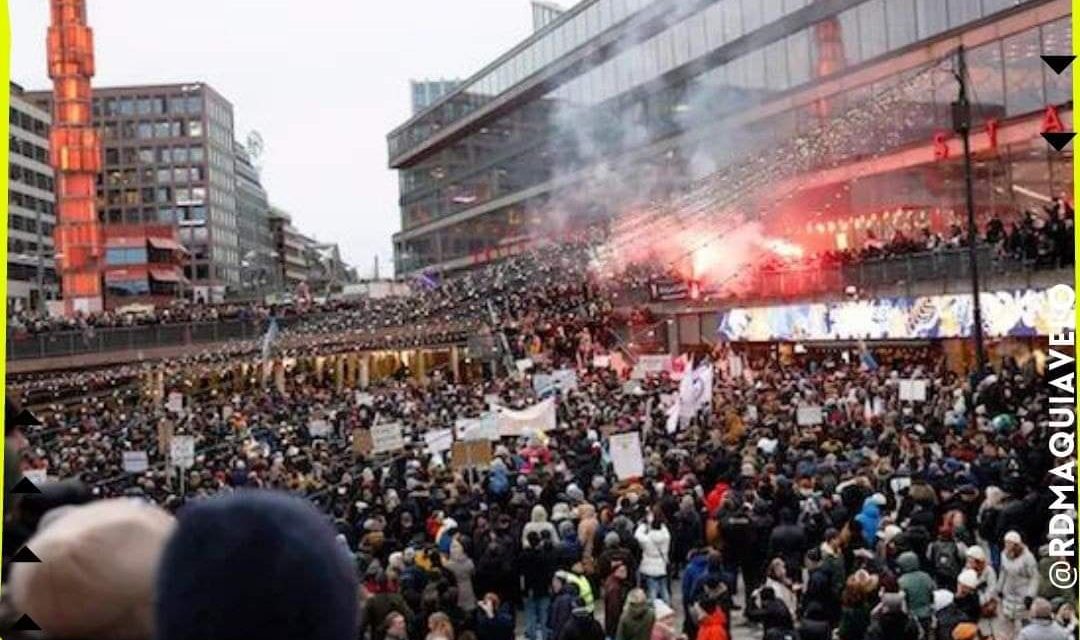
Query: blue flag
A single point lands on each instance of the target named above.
(269, 338)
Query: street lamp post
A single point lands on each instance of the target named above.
(961, 111)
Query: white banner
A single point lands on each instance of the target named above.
(319, 428)
(439, 440)
(182, 451)
(486, 427)
(539, 418)
(524, 365)
(386, 438)
(601, 362)
(695, 391)
(563, 380)
(626, 455)
(647, 365)
(136, 462)
(913, 390)
(365, 399)
(808, 416)
(175, 402)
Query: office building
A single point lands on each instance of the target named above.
(32, 279)
(544, 13)
(259, 272)
(649, 95)
(291, 247)
(168, 176)
(426, 92)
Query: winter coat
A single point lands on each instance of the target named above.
(581, 627)
(869, 519)
(462, 568)
(894, 626)
(539, 523)
(655, 550)
(1017, 581)
(497, 627)
(615, 592)
(1043, 630)
(636, 622)
(562, 609)
(788, 541)
(713, 626)
(917, 585)
(773, 614)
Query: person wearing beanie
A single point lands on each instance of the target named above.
(892, 621)
(637, 618)
(918, 589)
(664, 623)
(1042, 625)
(947, 615)
(255, 564)
(96, 575)
(1018, 583)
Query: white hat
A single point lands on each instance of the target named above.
(968, 578)
(976, 553)
(1013, 537)
(879, 499)
(942, 599)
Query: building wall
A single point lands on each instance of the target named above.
(659, 103)
(168, 161)
(32, 278)
(255, 239)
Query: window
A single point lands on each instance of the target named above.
(732, 20)
(849, 35)
(144, 131)
(986, 70)
(933, 17)
(164, 176)
(900, 18)
(195, 128)
(872, 31)
(146, 156)
(180, 154)
(194, 105)
(128, 288)
(1056, 40)
(962, 12)
(125, 255)
(1023, 73)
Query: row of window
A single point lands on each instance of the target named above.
(159, 195)
(160, 215)
(28, 149)
(29, 225)
(29, 273)
(29, 177)
(869, 29)
(156, 106)
(28, 247)
(26, 122)
(31, 203)
(153, 155)
(118, 178)
(142, 130)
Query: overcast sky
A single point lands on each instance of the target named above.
(323, 81)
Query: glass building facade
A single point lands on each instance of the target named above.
(658, 93)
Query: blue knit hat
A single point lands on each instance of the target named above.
(255, 564)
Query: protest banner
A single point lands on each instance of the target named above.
(626, 456)
(913, 390)
(136, 462)
(439, 440)
(601, 362)
(486, 427)
(176, 402)
(362, 444)
(387, 438)
(809, 416)
(470, 455)
(539, 418)
(182, 451)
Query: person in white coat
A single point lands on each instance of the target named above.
(1018, 583)
(655, 540)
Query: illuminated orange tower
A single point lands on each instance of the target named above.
(75, 154)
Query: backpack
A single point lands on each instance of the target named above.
(945, 558)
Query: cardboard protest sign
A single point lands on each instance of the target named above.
(808, 416)
(626, 456)
(387, 438)
(439, 440)
(319, 428)
(362, 444)
(136, 462)
(182, 451)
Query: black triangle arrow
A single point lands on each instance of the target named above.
(25, 486)
(25, 419)
(25, 623)
(1058, 63)
(1059, 139)
(25, 555)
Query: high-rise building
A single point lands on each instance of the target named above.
(32, 278)
(621, 102)
(168, 175)
(259, 271)
(426, 92)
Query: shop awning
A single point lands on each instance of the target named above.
(162, 275)
(166, 244)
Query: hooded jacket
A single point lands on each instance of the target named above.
(655, 549)
(636, 622)
(917, 585)
(539, 523)
(869, 519)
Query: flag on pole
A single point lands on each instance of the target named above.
(695, 391)
(672, 418)
(269, 338)
(866, 358)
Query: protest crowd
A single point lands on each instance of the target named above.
(601, 499)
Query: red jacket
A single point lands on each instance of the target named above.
(716, 497)
(713, 626)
